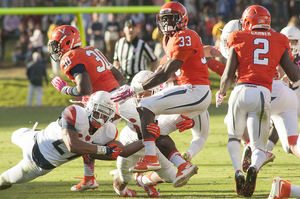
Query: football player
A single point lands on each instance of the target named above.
(76, 132)
(249, 103)
(87, 67)
(186, 59)
(167, 124)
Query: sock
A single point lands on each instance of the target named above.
(119, 192)
(146, 179)
(294, 191)
(150, 147)
(234, 149)
(176, 158)
(270, 145)
(89, 169)
(258, 158)
(196, 146)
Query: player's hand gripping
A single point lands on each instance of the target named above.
(126, 92)
(60, 85)
(113, 151)
(219, 98)
(186, 124)
(153, 129)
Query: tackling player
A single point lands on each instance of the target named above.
(249, 104)
(77, 131)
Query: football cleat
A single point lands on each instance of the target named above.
(86, 183)
(129, 193)
(184, 173)
(187, 156)
(2, 187)
(239, 182)
(150, 189)
(148, 163)
(280, 189)
(269, 158)
(246, 159)
(250, 183)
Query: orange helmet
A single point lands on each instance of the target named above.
(63, 39)
(177, 20)
(255, 17)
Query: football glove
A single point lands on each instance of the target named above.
(113, 151)
(186, 124)
(61, 85)
(219, 98)
(154, 130)
(126, 92)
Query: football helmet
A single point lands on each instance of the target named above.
(255, 17)
(171, 18)
(100, 103)
(292, 33)
(63, 39)
(231, 26)
(140, 77)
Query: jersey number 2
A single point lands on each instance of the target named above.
(261, 51)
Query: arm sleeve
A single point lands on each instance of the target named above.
(76, 70)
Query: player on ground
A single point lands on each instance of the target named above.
(249, 103)
(77, 132)
(186, 59)
(87, 67)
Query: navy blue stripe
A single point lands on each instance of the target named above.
(175, 93)
(192, 104)
(262, 111)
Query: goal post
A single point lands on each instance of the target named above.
(78, 12)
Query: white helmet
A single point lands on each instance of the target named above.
(101, 103)
(292, 33)
(142, 76)
(231, 26)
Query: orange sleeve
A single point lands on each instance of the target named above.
(216, 66)
(183, 55)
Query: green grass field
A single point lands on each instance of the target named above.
(215, 178)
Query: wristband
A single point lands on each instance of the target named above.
(101, 149)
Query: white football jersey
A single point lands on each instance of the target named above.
(53, 147)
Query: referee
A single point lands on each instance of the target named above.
(131, 53)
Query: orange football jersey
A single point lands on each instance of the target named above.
(194, 70)
(258, 52)
(95, 64)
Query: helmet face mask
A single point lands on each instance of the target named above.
(100, 109)
(172, 17)
(54, 50)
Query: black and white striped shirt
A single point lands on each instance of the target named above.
(133, 56)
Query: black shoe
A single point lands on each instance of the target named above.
(239, 182)
(250, 183)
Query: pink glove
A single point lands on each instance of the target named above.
(186, 124)
(154, 130)
(59, 83)
(123, 94)
(219, 98)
